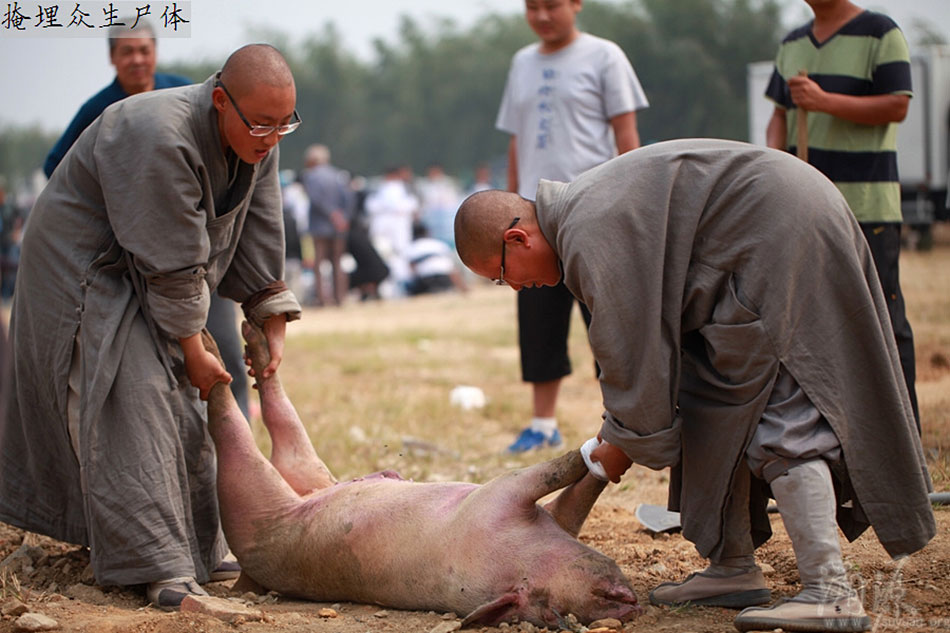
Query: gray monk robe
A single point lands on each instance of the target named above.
(143, 218)
(707, 265)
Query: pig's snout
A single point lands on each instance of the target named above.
(618, 602)
(597, 589)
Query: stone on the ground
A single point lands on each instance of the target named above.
(22, 559)
(86, 593)
(35, 622)
(225, 610)
(88, 577)
(446, 626)
(13, 607)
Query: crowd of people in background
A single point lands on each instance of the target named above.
(364, 248)
(386, 237)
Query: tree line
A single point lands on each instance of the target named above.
(432, 95)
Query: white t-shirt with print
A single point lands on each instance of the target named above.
(559, 105)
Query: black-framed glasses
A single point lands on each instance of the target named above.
(501, 272)
(263, 130)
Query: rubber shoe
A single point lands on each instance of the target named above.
(530, 440)
(735, 592)
(168, 594)
(845, 615)
(227, 570)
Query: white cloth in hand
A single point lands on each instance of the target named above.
(596, 468)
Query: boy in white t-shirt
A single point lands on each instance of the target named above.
(569, 104)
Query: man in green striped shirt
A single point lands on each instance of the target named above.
(856, 91)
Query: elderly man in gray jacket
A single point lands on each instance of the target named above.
(744, 342)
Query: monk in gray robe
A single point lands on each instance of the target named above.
(744, 342)
(165, 197)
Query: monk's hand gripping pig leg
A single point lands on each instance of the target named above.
(220, 398)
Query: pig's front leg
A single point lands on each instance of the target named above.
(571, 507)
(526, 485)
(581, 489)
(521, 489)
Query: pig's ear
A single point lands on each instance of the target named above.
(496, 611)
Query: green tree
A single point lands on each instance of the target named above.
(691, 56)
(332, 97)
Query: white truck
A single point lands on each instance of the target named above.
(923, 139)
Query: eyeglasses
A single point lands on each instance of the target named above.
(501, 273)
(263, 130)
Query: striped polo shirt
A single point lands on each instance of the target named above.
(867, 56)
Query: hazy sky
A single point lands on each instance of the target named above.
(44, 80)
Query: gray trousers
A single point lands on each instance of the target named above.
(791, 432)
(222, 323)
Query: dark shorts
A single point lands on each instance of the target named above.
(544, 321)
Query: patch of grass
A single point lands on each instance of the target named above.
(939, 466)
(10, 585)
(685, 609)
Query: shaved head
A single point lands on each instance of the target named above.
(255, 65)
(482, 219)
(256, 76)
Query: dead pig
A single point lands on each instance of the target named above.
(488, 551)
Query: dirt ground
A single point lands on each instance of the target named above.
(912, 595)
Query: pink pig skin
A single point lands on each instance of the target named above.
(488, 551)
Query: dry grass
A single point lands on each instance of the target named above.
(925, 277)
(10, 585)
(372, 382)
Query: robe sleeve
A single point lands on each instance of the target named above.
(255, 276)
(151, 185)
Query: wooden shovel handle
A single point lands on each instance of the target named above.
(802, 126)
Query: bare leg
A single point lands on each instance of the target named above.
(544, 397)
(293, 454)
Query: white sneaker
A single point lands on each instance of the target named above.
(844, 615)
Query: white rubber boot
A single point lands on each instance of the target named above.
(827, 602)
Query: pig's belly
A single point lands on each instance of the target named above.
(376, 540)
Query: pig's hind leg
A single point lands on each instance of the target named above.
(250, 490)
(292, 454)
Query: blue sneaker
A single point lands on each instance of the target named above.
(529, 440)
